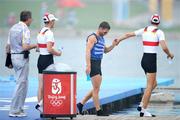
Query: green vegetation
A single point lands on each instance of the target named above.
(16, 6)
(88, 17)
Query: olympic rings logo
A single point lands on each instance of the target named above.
(56, 102)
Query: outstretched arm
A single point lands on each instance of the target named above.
(117, 41)
(125, 36)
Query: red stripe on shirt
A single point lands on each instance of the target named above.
(147, 43)
(42, 45)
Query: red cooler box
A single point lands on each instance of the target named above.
(59, 94)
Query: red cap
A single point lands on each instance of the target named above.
(49, 17)
(155, 19)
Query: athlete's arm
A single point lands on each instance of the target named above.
(90, 43)
(108, 49)
(52, 50)
(125, 36)
(165, 49)
(50, 43)
(163, 44)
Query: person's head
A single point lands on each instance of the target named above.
(25, 16)
(49, 20)
(155, 19)
(104, 28)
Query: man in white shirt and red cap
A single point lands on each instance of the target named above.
(46, 44)
(152, 36)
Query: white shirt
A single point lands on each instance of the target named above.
(150, 39)
(19, 34)
(45, 36)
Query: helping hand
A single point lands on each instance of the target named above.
(115, 42)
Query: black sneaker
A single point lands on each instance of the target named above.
(143, 115)
(101, 113)
(80, 108)
(139, 108)
(41, 116)
(39, 108)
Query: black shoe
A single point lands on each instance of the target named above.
(142, 115)
(80, 108)
(37, 106)
(101, 113)
(139, 108)
(41, 115)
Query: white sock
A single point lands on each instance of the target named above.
(141, 104)
(143, 110)
(40, 103)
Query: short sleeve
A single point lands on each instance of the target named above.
(49, 36)
(160, 35)
(139, 32)
(26, 36)
(8, 40)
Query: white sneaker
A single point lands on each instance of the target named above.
(19, 114)
(146, 114)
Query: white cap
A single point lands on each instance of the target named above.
(155, 19)
(49, 17)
